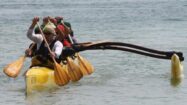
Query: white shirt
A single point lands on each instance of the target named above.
(38, 39)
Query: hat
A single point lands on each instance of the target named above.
(48, 29)
(67, 24)
(59, 19)
(51, 24)
(53, 20)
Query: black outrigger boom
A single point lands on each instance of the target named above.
(107, 45)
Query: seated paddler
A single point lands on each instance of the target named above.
(42, 56)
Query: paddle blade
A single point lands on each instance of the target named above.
(74, 71)
(14, 68)
(61, 75)
(85, 66)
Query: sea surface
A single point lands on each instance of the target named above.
(120, 78)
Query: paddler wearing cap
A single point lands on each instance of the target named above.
(66, 28)
(42, 56)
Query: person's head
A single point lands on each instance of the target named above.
(68, 24)
(59, 19)
(49, 21)
(53, 20)
(45, 20)
(49, 33)
(69, 27)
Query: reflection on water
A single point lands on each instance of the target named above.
(175, 81)
(42, 98)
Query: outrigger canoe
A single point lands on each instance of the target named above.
(42, 78)
(39, 79)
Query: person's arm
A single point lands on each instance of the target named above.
(37, 38)
(57, 49)
(29, 52)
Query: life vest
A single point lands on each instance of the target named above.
(43, 52)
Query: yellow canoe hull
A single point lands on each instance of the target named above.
(39, 79)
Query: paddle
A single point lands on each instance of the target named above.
(13, 69)
(85, 66)
(61, 76)
(74, 71)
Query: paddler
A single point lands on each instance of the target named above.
(42, 55)
(67, 29)
(67, 51)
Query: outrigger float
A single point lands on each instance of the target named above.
(42, 78)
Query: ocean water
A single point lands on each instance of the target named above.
(121, 78)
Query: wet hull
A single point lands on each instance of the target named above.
(39, 79)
